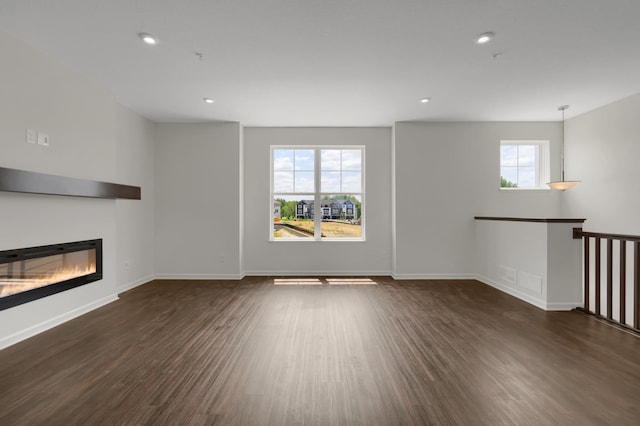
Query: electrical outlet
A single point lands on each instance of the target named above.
(43, 139)
(31, 136)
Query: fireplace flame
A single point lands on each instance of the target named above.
(9, 286)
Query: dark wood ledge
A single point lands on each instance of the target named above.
(529, 219)
(13, 180)
(579, 233)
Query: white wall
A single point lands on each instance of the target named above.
(369, 257)
(447, 173)
(603, 149)
(512, 256)
(564, 267)
(197, 203)
(82, 121)
(135, 261)
(536, 262)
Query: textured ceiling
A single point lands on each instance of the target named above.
(343, 63)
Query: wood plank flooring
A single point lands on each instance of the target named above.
(391, 353)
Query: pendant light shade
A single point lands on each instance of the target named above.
(563, 185)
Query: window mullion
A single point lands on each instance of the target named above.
(518, 165)
(317, 199)
(538, 170)
(271, 224)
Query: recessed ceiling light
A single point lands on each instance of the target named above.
(425, 100)
(485, 38)
(148, 38)
(208, 100)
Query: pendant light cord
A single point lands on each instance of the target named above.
(562, 108)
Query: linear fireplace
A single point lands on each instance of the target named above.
(32, 273)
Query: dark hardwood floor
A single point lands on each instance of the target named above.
(391, 353)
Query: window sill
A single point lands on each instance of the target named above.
(524, 189)
(325, 240)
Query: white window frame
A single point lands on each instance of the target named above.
(543, 163)
(317, 195)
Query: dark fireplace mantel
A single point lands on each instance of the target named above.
(13, 180)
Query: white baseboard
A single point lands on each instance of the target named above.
(55, 321)
(433, 276)
(199, 276)
(317, 273)
(136, 283)
(563, 306)
(539, 303)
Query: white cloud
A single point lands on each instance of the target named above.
(304, 182)
(351, 182)
(282, 159)
(508, 155)
(304, 159)
(527, 155)
(282, 181)
(330, 181)
(351, 159)
(330, 159)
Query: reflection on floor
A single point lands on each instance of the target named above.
(351, 281)
(321, 281)
(297, 281)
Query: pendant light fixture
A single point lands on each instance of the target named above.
(563, 185)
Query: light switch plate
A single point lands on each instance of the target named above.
(31, 136)
(43, 139)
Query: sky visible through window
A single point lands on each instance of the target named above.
(340, 170)
(518, 164)
(293, 172)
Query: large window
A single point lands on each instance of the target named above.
(524, 164)
(317, 193)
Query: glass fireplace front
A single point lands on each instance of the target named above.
(32, 273)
